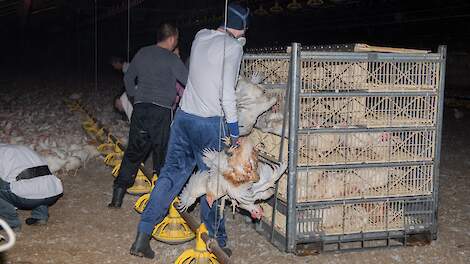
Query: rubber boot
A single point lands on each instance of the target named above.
(141, 246)
(118, 196)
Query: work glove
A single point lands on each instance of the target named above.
(231, 142)
(234, 134)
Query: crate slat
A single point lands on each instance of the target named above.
(353, 218)
(355, 183)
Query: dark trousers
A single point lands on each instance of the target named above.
(190, 135)
(10, 201)
(149, 131)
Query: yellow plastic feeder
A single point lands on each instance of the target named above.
(141, 185)
(173, 229)
(139, 206)
(198, 254)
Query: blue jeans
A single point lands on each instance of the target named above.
(189, 135)
(10, 201)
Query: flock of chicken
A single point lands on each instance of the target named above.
(45, 125)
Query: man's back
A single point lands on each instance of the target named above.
(207, 69)
(16, 158)
(156, 70)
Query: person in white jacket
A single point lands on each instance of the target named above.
(208, 108)
(26, 183)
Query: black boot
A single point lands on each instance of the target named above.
(141, 246)
(35, 221)
(118, 196)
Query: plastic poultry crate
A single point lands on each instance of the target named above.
(361, 134)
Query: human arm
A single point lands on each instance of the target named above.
(180, 71)
(230, 76)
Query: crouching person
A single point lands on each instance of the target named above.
(26, 183)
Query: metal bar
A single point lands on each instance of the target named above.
(212, 244)
(352, 56)
(368, 94)
(365, 165)
(366, 236)
(325, 203)
(281, 205)
(293, 143)
(365, 129)
(281, 152)
(369, 56)
(355, 237)
(265, 56)
(363, 199)
(437, 151)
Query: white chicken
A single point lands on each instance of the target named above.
(344, 217)
(219, 181)
(271, 122)
(251, 103)
(224, 170)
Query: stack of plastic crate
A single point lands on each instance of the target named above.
(368, 136)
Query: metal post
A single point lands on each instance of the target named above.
(294, 79)
(437, 153)
(281, 154)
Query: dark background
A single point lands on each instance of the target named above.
(59, 35)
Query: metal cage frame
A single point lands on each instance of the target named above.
(418, 212)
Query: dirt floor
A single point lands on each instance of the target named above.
(82, 229)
